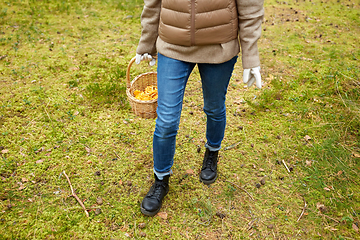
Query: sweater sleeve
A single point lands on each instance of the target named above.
(149, 23)
(251, 13)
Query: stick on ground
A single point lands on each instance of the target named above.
(302, 213)
(241, 189)
(285, 166)
(75, 196)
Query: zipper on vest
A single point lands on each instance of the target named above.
(192, 28)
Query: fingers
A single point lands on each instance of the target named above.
(246, 75)
(152, 62)
(256, 73)
(137, 58)
(145, 56)
(251, 81)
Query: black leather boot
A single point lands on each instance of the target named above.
(208, 173)
(151, 203)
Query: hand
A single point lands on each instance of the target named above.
(145, 56)
(252, 76)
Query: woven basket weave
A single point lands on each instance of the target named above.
(144, 109)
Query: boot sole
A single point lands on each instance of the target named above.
(147, 213)
(208, 182)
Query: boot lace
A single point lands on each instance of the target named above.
(156, 193)
(209, 161)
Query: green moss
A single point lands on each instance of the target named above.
(63, 107)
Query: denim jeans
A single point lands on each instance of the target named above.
(172, 76)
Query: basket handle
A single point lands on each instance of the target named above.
(128, 71)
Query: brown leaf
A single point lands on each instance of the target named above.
(163, 215)
(39, 161)
(88, 149)
(308, 163)
(190, 171)
(4, 151)
(339, 173)
(321, 207)
(356, 228)
(327, 189)
(307, 138)
(356, 155)
(22, 187)
(24, 179)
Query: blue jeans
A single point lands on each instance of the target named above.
(172, 76)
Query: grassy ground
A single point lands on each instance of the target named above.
(63, 107)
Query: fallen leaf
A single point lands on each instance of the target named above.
(261, 170)
(120, 182)
(163, 215)
(40, 150)
(326, 188)
(307, 138)
(308, 163)
(190, 171)
(356, 155)
(321, 207)
(88, 149)
(356, 228)
(39, 161)
(339, 173)
(24, 179)
(4, 151)
(22, 187)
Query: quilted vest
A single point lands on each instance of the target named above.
(198, 22)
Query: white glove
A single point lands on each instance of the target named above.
(145, 56)
(252, 76)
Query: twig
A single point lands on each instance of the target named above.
(232, 146)
(285, 165)
(75, 196)
(117, 155)
(346, 76)
(329, 217)
(302, 213)
(98, 51)
(2, 57)
(241, 189)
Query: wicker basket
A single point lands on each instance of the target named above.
(144, 109)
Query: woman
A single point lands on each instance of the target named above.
(184, 33)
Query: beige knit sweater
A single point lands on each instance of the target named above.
(250, 14)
